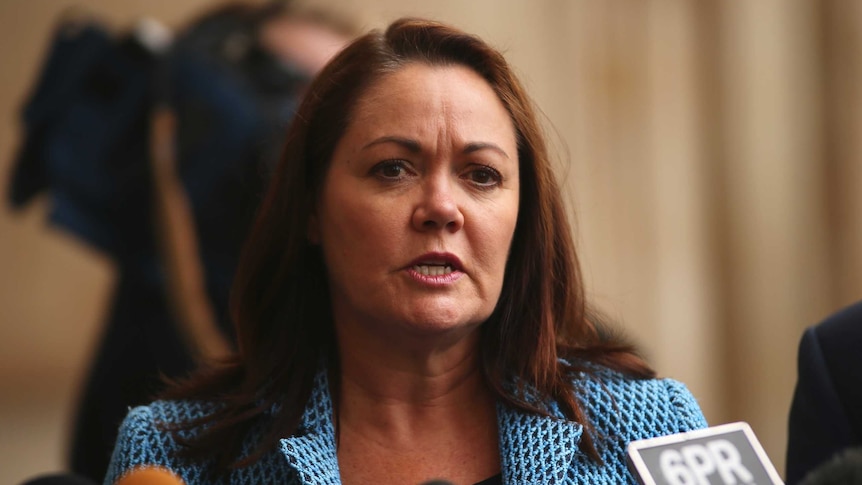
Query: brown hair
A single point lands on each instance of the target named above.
(539, 333)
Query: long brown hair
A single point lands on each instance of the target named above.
(539, 333)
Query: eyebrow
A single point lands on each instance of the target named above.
(409, 144)
(414, 147)
(476, 146)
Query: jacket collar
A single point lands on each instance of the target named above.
(533, 448)
(536, 448)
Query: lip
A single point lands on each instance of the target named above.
(436, 259)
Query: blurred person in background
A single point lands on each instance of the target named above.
(825, 427)
(409, 306)
(155, 151)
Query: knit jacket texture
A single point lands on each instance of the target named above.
(534, 449)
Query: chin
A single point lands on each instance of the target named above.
(441, 321)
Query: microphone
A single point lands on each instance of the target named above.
(727, 454)
(150, 475)
(845, 468)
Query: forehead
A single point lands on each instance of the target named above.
(420, 94)
(419, 75)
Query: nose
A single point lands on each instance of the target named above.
(438, 208)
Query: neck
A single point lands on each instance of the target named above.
(399, 386)
(410, 409)
(419, 370)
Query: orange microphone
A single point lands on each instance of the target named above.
(150, 475)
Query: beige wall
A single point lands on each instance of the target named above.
(708, 148)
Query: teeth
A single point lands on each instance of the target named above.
(432, 270)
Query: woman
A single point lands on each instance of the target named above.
(409, 306)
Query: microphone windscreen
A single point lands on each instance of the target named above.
(150, 475)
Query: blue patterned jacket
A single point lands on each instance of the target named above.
(534, 449)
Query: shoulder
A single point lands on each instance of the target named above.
(144, 438)
(841, 331)
(620, 410)
(637, 408)
(828, 356)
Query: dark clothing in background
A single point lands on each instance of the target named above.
(232, 108)
(85, 142)
(87, 145)
(826, 413)
(140, 344)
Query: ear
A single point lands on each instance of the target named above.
(312, 233)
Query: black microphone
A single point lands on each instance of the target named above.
(845, 468)
(726, 454)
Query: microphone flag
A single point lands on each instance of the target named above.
(728, 454)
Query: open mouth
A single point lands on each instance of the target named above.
(436, 264)
(433, 269)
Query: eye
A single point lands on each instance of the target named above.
(484, 176)
(391, 170)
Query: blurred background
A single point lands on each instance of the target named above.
(711, 153)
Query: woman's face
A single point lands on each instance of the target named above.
(419, 205)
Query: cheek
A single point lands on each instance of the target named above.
(495, 238)
(357, 229)
(341, 252)
(504, 227)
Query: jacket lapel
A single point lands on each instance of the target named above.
(313, 458)
(534, 448)
(311, 452)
